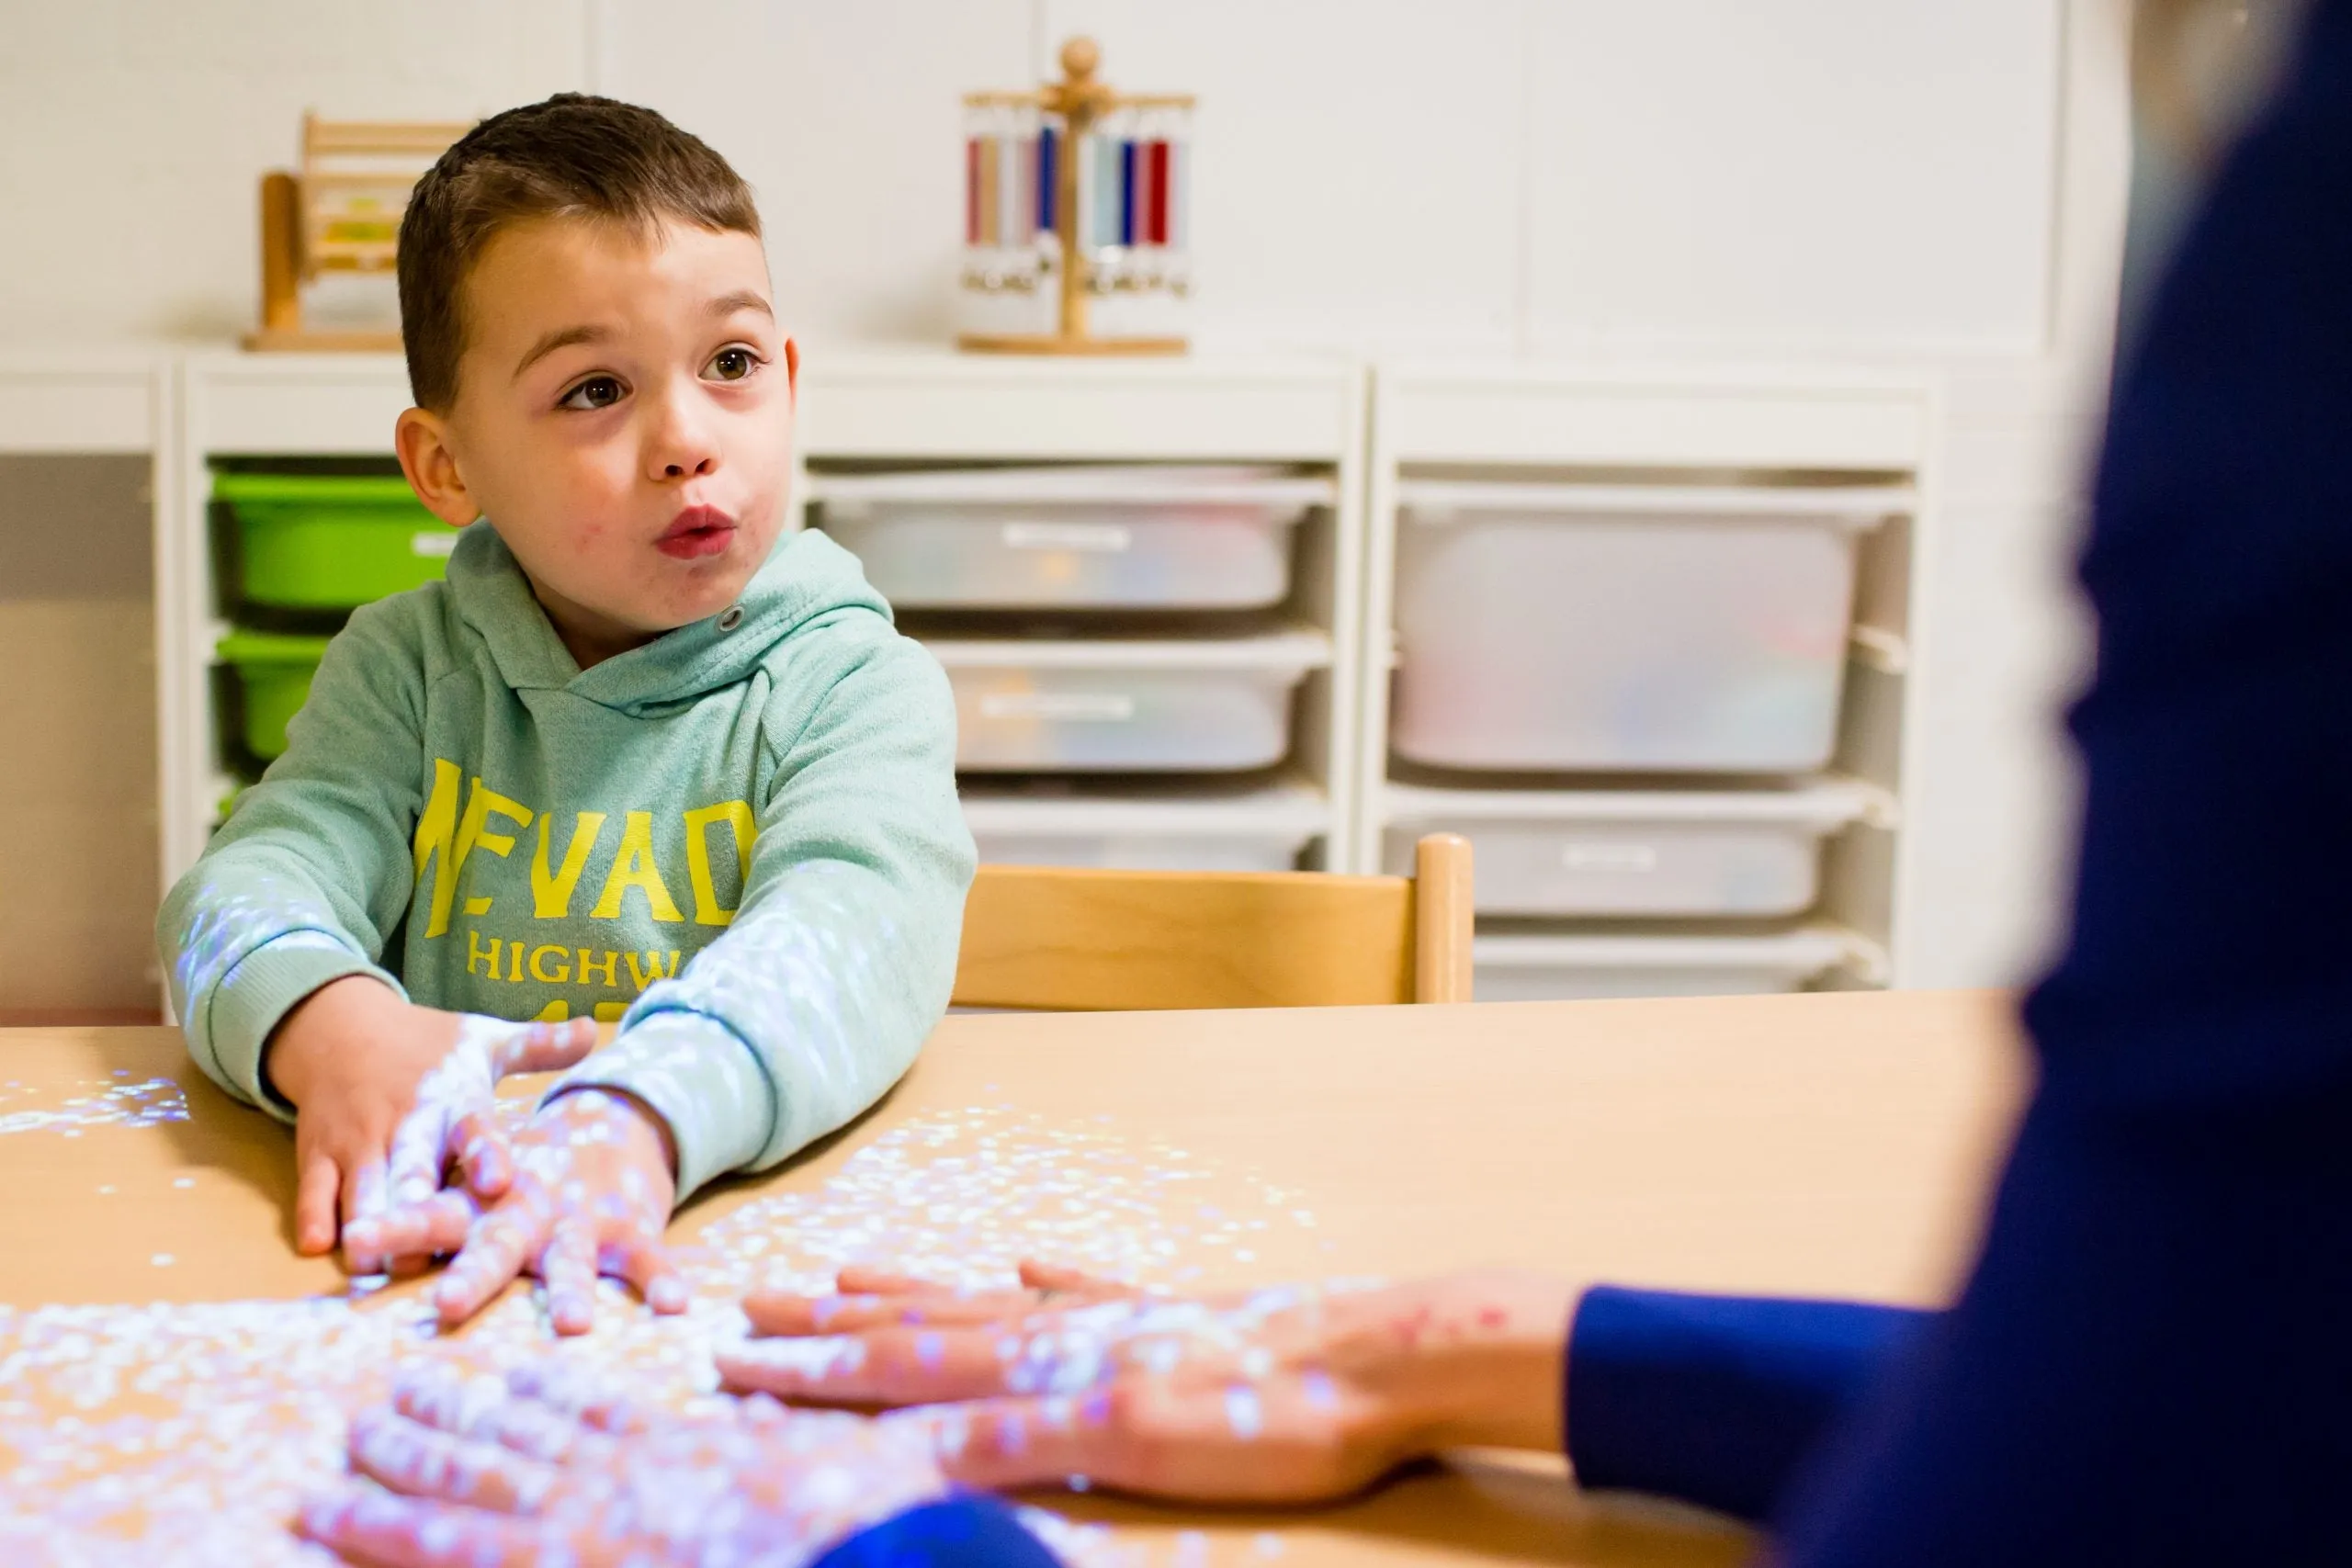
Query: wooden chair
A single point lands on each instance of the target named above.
(1047, 938)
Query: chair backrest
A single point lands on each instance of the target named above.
(1052, 938)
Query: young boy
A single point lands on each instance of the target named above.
(632, 761)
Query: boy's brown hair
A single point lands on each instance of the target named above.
(572, 156)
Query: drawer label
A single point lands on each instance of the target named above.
(1065, 707)
(1591, 856)
(1101, 538)
(443, 544)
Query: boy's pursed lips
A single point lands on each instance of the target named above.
(695, 532)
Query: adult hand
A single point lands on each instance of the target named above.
(1295, 1393)
(351, 1058)
(595, 1176)
(548, 1468)
(877, 1298)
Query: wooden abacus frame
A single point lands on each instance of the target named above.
(1080, 101)
(297, 238)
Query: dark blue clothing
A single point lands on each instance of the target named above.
(963, 1531)
(1715, 1399)
(2152, 1362)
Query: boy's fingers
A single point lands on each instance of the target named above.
(568, 1268)
(365, 1525)
(420, 1154)
(479, 1145)
(892, 1366)
(422, 1461)
(490, 1259)
(316, 1187)
(643, 1264)
(409, 1235)
(364, 1192)
(544, 1047)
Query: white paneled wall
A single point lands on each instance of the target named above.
(1835, 177)
(1807, 178)
(1360, 174)
(132, 134)
(847, 119)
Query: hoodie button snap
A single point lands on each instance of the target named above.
(730, 617)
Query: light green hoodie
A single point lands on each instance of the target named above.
(740, 840)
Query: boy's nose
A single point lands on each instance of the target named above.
(682, 446)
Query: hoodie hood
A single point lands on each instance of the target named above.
(807, 580)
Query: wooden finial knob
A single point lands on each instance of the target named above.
(1080, 57)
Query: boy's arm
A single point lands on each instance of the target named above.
(312, 871)
(839, 962)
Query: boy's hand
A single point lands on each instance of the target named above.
(351, 1058)
(593, 1180)
(455, 1122)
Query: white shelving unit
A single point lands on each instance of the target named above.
(237, 405)
(1355, 443)
(878, 413)
(83, 403)
(1659, 437)
(959, 420)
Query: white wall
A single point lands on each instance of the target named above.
(132, 134)
(1929, 183)
(1996, 791)
(1810, 176)
(1799, 177)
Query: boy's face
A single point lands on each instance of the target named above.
(623, 418)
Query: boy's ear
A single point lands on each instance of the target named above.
(421, 438)
(792, 367)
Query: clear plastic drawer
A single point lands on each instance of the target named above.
(1537, 968)
(1625, 629)
(1752, 854)
(1139, 706)
(1171, 538)
(1261, 831)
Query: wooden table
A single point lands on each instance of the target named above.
(1835, 1144)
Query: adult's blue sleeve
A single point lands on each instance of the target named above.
(967, 1530)
(2152, 1361)
(1715, 1400)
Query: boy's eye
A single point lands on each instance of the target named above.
(733, 364)
(596, 393)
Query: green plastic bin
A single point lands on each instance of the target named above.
(273, 671)
(330, 541)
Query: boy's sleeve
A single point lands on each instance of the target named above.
(312, 871)
(840, 961)
(1716, 1400)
